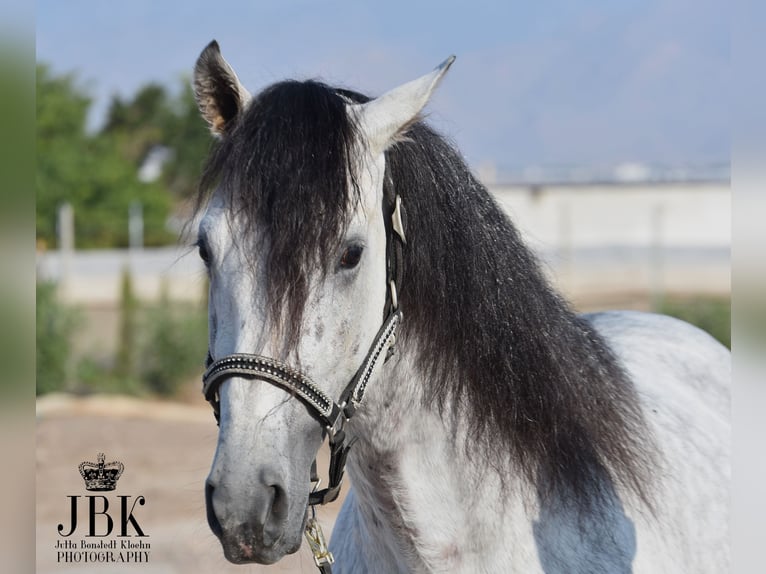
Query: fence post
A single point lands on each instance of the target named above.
(565, 247)
(66, 245)
(656, 264)
(136, 226)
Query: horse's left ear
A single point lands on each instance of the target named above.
(386, 119)
(219, 94)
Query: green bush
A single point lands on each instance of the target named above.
(127, 336)
(166, 345)
(711, 314)
(95, 375)
(159, 346)
(175, 344)
(55, 324)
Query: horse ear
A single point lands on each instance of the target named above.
(220, 96)
(386, 119)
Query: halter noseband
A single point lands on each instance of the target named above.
(330, 414)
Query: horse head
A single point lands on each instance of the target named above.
(294, 236)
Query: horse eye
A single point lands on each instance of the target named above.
(204, 254)
(351, 257)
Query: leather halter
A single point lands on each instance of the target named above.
(330, 414)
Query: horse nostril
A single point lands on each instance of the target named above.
(275, 510)
(279, 503)
(212, 519)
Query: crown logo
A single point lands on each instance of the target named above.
(101, 476)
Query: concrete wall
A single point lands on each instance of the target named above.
(595, 241)
(675, 215)
(598, 240)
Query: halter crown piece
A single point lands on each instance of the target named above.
(330, 414)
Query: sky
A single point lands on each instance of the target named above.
(582, 84)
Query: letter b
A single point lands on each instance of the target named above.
(92, 512)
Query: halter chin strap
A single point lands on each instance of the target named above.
(330, 414)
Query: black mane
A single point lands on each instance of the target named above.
(491, 334)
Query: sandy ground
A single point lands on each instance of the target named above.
(166, 449)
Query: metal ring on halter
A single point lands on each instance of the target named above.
(394, 297)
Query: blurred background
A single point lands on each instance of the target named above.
(602, 128)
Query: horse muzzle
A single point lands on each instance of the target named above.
(255, 527)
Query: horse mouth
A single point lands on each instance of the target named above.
(243, 546)
(243, 553)
(239, 551)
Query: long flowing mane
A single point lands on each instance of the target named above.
(538, 383)
(541, 383)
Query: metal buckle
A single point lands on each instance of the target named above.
(337, 425)
(396, 219)
(315, 538)
(316, 484)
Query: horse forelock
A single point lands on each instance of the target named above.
(288, 170)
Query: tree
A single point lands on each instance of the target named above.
(153, 118)
(92, 172)
(189, 138)
(139, 124)
(61, 113)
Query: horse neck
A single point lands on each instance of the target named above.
(426, 499)
(415, 485)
